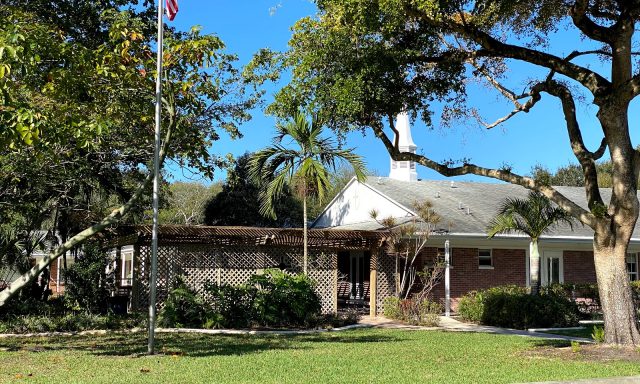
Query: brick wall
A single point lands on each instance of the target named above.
(508, 268)
(579, 267)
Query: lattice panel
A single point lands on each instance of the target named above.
(232, 265)
(199, 264)
(386, 285)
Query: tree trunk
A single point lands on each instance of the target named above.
(620, 318)
(304, 234)
(615, 228)
(534, 267)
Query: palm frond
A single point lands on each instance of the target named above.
(533, 216)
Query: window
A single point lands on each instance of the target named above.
(413, 164)
(127, 269)
(632, 266)
(484, 258)
(403, 164)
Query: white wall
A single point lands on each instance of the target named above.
(354, 204)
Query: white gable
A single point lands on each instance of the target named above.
(354, 204)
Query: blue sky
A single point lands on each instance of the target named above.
(538, 137)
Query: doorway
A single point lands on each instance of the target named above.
(552, 268)
(353, 279)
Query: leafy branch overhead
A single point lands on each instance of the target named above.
(78, 112)
(359, 63)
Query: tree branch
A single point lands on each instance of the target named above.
(592, 30)
(593, 81)
(115, 216)
(574, 209)
(584, 156)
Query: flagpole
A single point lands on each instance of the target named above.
(156, 185)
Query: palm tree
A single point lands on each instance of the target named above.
(304, 167)
(532, 216)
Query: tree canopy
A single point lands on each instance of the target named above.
(359, 63)
(76, 109)
(238, 203)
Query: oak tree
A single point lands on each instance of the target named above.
(360, 62)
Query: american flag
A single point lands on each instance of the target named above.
(172, 9)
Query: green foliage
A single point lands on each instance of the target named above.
(238, 202)
(88, 285)
(575, 346)
(533, 216)
(272, 299)
(471, 306)
(68, 322)
(413, 311)
(185, 202)
(572, 175)
(184, 308)
(304, 167)
(76, 107)
(514, 307)
(231, 307)
(283, 299)
(598, 334)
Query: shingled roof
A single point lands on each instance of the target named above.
(467, 207)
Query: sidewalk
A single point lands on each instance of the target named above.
(451, 324)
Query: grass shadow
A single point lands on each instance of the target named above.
(550, 343)
(197, 345)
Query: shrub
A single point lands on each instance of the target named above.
(414, 311)
(392, 309)
(88, 284)
(183, 308)
(471, 306)
(635, 289)
(273, 299)
(514, 307)
(283, 300)
(231, 307)
(342, 319)
(598, 334)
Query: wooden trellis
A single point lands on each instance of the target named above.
(199, 263)
(386, 284)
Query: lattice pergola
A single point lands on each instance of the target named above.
(230, 255)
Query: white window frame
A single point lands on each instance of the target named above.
(490, 256)
(633, 275)
(126, 281)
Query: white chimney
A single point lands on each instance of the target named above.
(404, 170)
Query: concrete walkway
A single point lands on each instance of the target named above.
(451, 324)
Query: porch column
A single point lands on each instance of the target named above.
(373, 284)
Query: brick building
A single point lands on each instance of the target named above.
(466, 208)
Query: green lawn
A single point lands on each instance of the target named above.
(358, 356)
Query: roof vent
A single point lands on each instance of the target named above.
(460, 205)
(453, 184)
(468, 211)
(437, 195)
(379, 180)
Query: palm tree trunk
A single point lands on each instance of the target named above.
(534, 267)
(304, 233)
